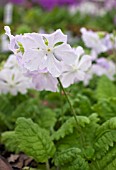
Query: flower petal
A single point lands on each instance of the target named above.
(67, 79)
(85, 63)
(54, 66)
(65, 52)
(32, 58)
(55, 37)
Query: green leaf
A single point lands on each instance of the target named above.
(70, 159)
(33, 140)
(105, 88)
(69, 125)
(11, 141)
(105, 138)
(47, 119)
(82, 138)
(107, 162)
(66, 156)
(78, 164)
(31, 110)
(106, 108)
(82, 104)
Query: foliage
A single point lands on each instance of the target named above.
(94, 145)
(105, 88)
(106, 108)
(10, 140)
(34, 140)
(12, 107)
(68, 127)
(86, 146)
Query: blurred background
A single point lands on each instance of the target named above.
(48, 15)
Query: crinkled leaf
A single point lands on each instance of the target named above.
(33, 140)
(11, 141)
(69, 126)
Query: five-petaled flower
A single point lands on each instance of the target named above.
(76, 72)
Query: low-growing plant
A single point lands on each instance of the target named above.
(73, 129)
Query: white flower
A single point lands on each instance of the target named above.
(92, 40)
(76, 72)
(88, 77)
(12, 81)
(47, 51)
(11, 62)
(43, 80)
(14, 41)
(104, 67)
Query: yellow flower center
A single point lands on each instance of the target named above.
(48, 49)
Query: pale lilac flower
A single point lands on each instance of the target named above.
(77, 71)
(93, 55)
(47, 51)
(106, 41)
(43, 80)
(104, 66)
(19, 43)
(14, 44)
(11, 62)
(93, 41)
(12, 81)
(112, 41)
(88, 77)
(39, 51)
(112, 70)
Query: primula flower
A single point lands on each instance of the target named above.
(76, 72)
(12, 81)
(47, 51)
(11, 78)
(43, 80)
(45, 57)
(15, 42)
(93, 41)
(39, 51)
(11, 62)
(104, 66)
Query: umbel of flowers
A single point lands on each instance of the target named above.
(47, 58)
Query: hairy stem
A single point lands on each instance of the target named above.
(61, 104)
(71, 107)
(74, 114)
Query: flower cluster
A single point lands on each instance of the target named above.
(100, 42)
(102, 66)
(11, 79)
(46, 57)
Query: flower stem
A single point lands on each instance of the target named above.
(61, 104)
(47, 166)
(74, 114)
(71, 107)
